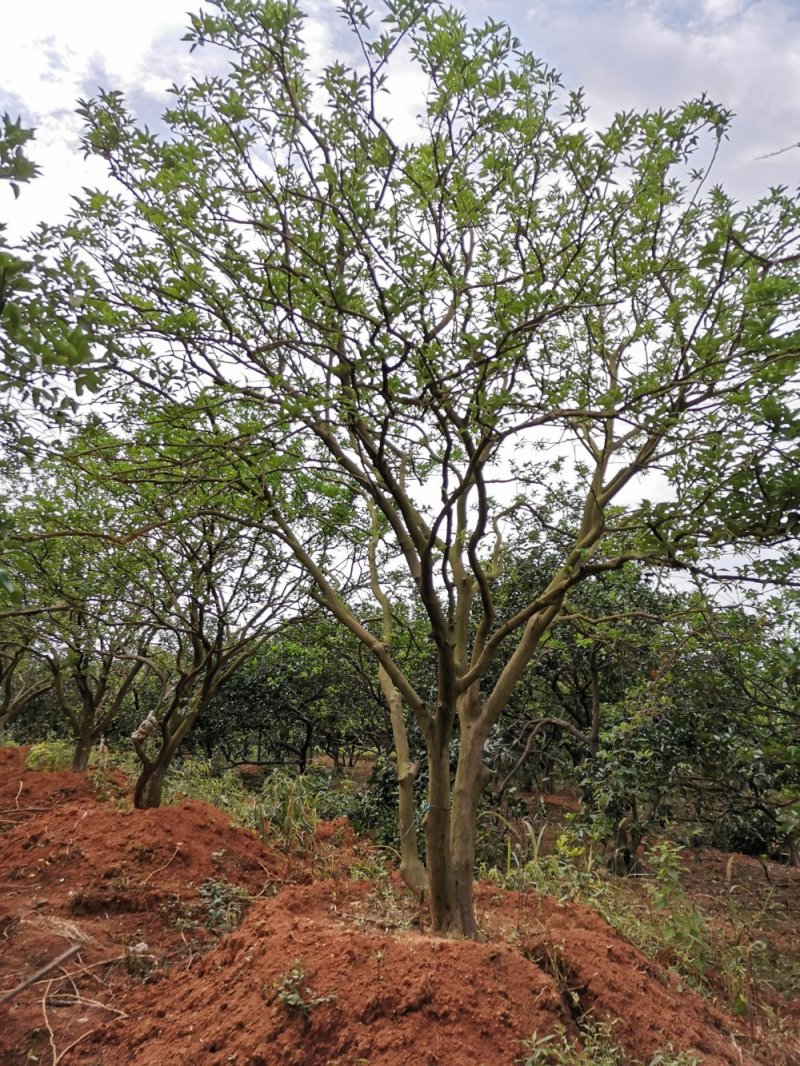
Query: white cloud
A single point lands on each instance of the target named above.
(627, 53)
(637, 54)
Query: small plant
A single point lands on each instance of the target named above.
(681, 928)
(599, 1049)
(295, 994)
(225, 903)
(50, 755)
(286, 807)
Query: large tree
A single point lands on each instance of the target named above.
(501, 316)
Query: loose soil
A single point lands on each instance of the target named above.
(200, 943)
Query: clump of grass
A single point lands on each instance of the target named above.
(599, 1049)
(669, 926)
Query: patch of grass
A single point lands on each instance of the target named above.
(667, 925)
(286, 806)
(599, 1049)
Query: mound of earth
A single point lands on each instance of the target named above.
(319, 972)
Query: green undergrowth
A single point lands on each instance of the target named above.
(287, 807)
(50, 755)
(597, 1047)
(653, 912)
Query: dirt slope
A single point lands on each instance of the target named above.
(319, 972)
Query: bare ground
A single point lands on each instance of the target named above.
(200, 944)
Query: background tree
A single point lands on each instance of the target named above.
(506, 316)
(706, 741)
(75, 621)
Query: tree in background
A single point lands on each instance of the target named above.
(504, 317)
(138, 586)
(707, 741)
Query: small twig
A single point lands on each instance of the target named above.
(40, 974)
(26, 810)
(71, 1001)
(48, 1025)
(69, 1047)
(152, 873)
(95, 966)
(780, 151)
(19, 793)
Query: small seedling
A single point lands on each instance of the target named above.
(225, 904)
(295, 994)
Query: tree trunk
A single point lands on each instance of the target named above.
(472, 776)
(82, 751)
(441, 889)
(150, 786)
(411, 869)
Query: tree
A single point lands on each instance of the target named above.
(138, 590)
(306, 691)
(501, 317)
(708, 740)
(76, 621)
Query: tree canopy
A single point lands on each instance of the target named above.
(412, 346)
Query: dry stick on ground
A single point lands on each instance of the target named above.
(69, 1047)
(58, 1056)
(48, 1026)
(73, 950)
(152, 873)
(65, 1000)
(19, 793)
(94, 966)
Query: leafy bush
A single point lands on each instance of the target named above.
(50, 755)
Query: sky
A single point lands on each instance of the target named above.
(625, 53)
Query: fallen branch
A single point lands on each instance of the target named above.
(62, 958)
(49, 1027)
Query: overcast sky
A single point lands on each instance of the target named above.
(626, 53)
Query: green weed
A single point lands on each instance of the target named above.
(291, 989)
(50, 755)
(225, 904)
(599, 1049)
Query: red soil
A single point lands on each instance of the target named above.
(319, 972)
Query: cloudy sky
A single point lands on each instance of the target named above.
(626, 53)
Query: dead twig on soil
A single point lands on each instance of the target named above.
(26, 810)
(48, 1026)
(62, 1000)
(95, 966)
(58, 1056)
(69, 1047)
(152, 873)
(62, 958)
(19, 793)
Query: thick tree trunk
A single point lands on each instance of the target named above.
(471, 779)
(82, 751)
(441, 889)
(411, 869)
(150, 786)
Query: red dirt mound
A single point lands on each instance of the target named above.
(325, 973)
